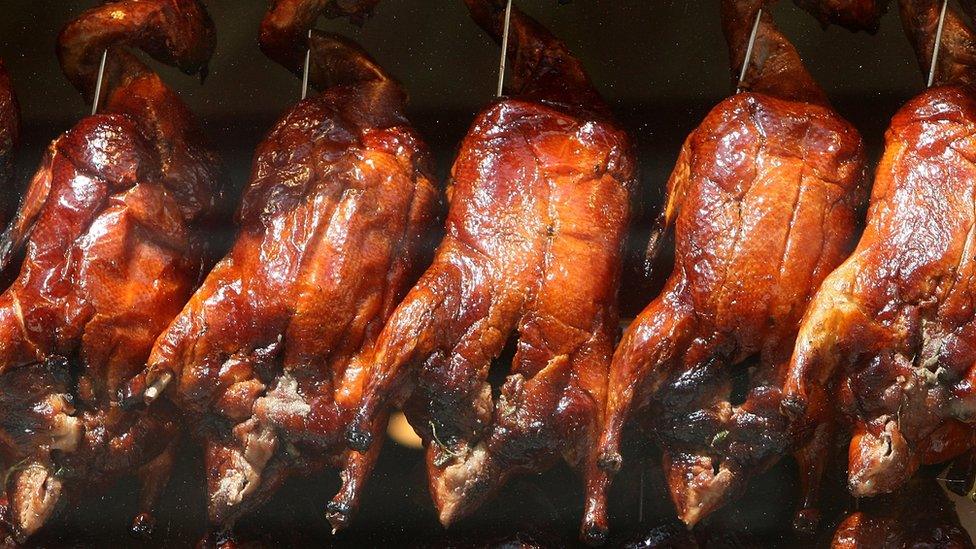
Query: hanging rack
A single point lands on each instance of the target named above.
(501, 61)
(938, 43)
(748, 56)
(98, 82)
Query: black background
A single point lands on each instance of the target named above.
(661, 64)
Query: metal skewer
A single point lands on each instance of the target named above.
(501, 62)
(748, 56)
(308, 59)
(938, 42)
(98, 82)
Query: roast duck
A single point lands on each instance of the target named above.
(540, 196)
(9, 136)
(887, 347)
(764, 203)
(270, 356)
(112, 246)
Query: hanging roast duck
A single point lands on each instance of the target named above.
(110, 230)
(763, 202)
(267, 358)
(890, 338)
(540, 198)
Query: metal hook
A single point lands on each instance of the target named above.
(501, 62)
(308, 59)
(98, 83)
(938, 42)
(748, 56)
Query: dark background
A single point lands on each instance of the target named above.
(661, 64)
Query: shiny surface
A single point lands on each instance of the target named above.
(110, 230)
(539, 202)
(763, 201)
(267, 358)
(889, 337)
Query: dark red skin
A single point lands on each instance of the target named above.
(540, 198)
(112, 233)
(268, 358)
(9, 137)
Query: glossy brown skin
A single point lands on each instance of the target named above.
(764, 201)
(9, 137)
(889, 338)
(267, 357)
(919, 516)
(539, 203)
(855, 15)
(111, 231)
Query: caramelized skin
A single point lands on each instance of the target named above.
(764, 200)
(9, 136)
(854, 15)
(540, 194)
(266, 357)
(111, 231)
(889, 337)
(918, 516)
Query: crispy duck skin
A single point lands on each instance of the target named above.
(9, 137)
(763, 201)
(854, 15)
(267, 355)
(917, 516)
(111, 232)
(889, 338)
(540, 199)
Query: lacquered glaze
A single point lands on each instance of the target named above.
(890, 336)
(266, 358)
(539, 203)
(111, 232)
(764, 201)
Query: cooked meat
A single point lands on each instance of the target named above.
(889, 337)
(540, 200)
(266, 358)
(110, 228)
(855, 15)
(919, 515)
(9, 136)
(764, 202)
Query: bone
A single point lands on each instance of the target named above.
(157, 387)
